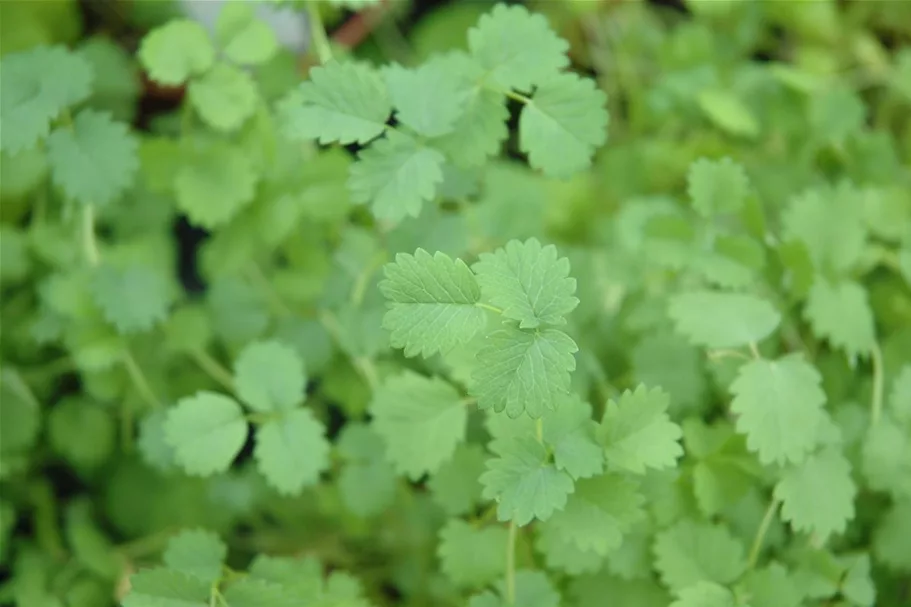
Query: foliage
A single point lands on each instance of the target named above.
(400, 324)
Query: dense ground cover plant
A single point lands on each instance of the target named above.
(425, 335)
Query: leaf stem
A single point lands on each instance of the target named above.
(518, 97)
(139, 380)
(720, 354)
(761, 533)
(755, 350)
(489, 307)
(318, 33)
(89, 244)
(213, 369)
(511, 564)
(876, 402)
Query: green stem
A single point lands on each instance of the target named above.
(318, 36)
(518, 97)
(213, 369)
(139, 380)
(876, 404)
(761, 533)
(755, 350)
(489, 307)
(89, 244)
(511, 565)
(47, 532)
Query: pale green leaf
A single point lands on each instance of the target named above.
(162, 587)
(570, 432)
(840, 313)
(637, 433)
(242, 37)
(421, 420)
(817, 495)
(176, 51)
(717, 186)
(563, 125)
(206, 431)
(516, 48)
(522, 481)
(134, 298)
(37, 85)
(455, 486)
(470, 557)
(890, 543)
(95, 160)
(772, 586)
(225, 97)
(722, 320)
(728, 113)
(692, 552)
(705, 594)
(291, 451)
(395, 176)
(197, 553)
(269, 376)
(213, 184)
(427, 99)
(779, 406)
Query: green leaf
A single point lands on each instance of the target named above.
(341, 102)
(599, 512)
(637, 433)
(176, 51)
(427, 99)
(134, 298)
(522, 481)
(717, 186)
(722, 320)
(779, 407)
(395, 176)
(523, 371)
(517, 49)
(242, 37)
(367, 483)
(890, 544)
(481, 128)
(691, 552)
(900, 396)
(422, 421)
(817, 495)
(705, 594)
(529, 282)
(269, 376)
(455, 486)
(570, 432)
(225, 97)
(164, 587)
(117, 85)
(213, 184)
(563, 125)
(728, 113)
(291, 451)
(772, 586)
(830, 223)
(38, 85)
(562, 554)
(470, 557)
(197, 553)
(246, 592)
(91, 546)
(207, 431)
(432, 303)
(840, 313)
(82, 431)
(153, 443)
(95, 161)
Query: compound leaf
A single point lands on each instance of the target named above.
(427, 99)
(840, 312)
(225, 97)
(242, 37)
(817, 495)
(213, 184)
